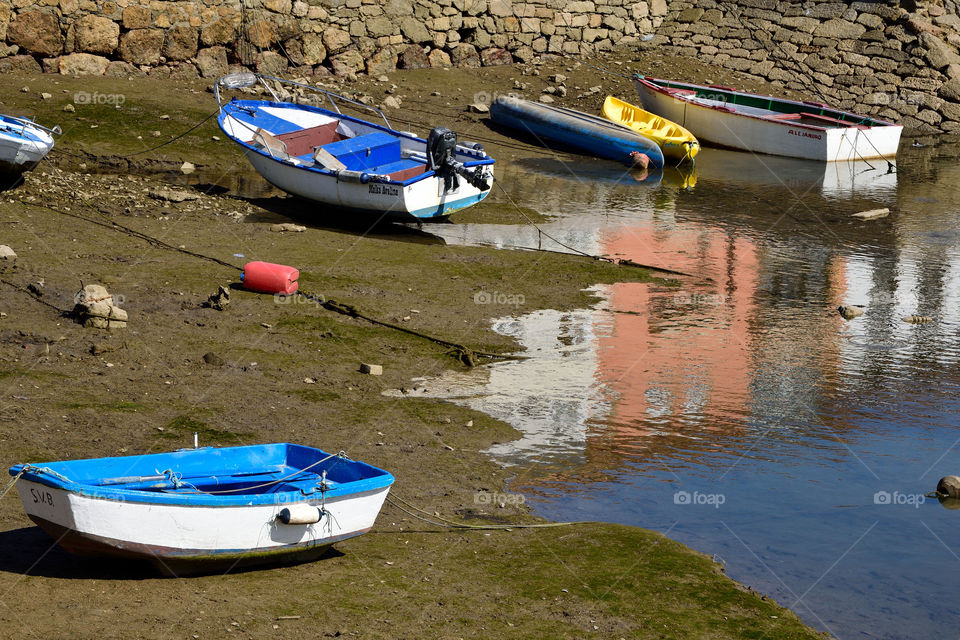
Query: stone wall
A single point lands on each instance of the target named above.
(313, 36)
(893, 59)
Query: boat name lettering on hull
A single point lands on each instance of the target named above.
(385, 189)
(805, 134)
(41, 497)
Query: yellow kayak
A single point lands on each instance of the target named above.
(677, 143)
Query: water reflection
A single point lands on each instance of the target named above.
(821, 435)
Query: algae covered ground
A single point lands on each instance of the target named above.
(265, 369)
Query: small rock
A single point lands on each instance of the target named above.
(849, 313)
(392, 102)
(215, 139)
(546, 98)
(561, 91)
(383, 78)
(371, 369)
(164, 117)
(309, 381)
(218, 300)
(46, 96)
(188, 167)
(213, 359)
(69, 108)
(872, 213)
(479, 107)
(287, 226)
(6, 253)
(558, 78)
(172, 195)
(469, 423)
(266, 325)
(156, 134)
(435, 93)
(24, 89)
(949, 486)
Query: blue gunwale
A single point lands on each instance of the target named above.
(234, 105)
(346, 477)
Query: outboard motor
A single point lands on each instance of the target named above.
(441, 147)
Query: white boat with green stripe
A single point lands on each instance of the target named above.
(725, 117)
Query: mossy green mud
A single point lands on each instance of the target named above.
(288, 370)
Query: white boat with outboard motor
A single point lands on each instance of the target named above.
(348, 163)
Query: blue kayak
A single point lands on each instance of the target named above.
(593, 135)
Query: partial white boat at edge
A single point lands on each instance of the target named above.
(23, 144)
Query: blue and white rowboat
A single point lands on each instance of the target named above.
(205, 509)
(593, 135)
(23, 144)
(339, 160)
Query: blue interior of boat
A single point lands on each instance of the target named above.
(231, 475)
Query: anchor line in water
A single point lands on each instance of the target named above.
(616, 261)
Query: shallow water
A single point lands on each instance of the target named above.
(738, 412)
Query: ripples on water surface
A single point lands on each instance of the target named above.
(738, 412)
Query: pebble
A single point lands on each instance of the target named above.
(46, 96)
(6, 253)
(156, 134)
(24, 89)
(213, 359)
(872, 214)
(164, 117)
(188, 167)
(288, 226)
(558, 78)
(479, 107)
(546, 98)
(69, 108)
(172, 195)
(392, 103)
(371, 369)
(309, 381)
(849, 313)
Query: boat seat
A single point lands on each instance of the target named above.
(272, 144)
(362, 153)
(304, 141)
(680, 92)
(400, 170)
(784, 116)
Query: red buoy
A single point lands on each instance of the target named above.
(266, 277)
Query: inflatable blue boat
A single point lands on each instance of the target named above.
(592, 135)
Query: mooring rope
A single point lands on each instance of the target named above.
(439, 521)
(464, 354)
(619, 262)
(13, 481)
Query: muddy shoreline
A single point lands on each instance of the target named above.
(289, 372)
